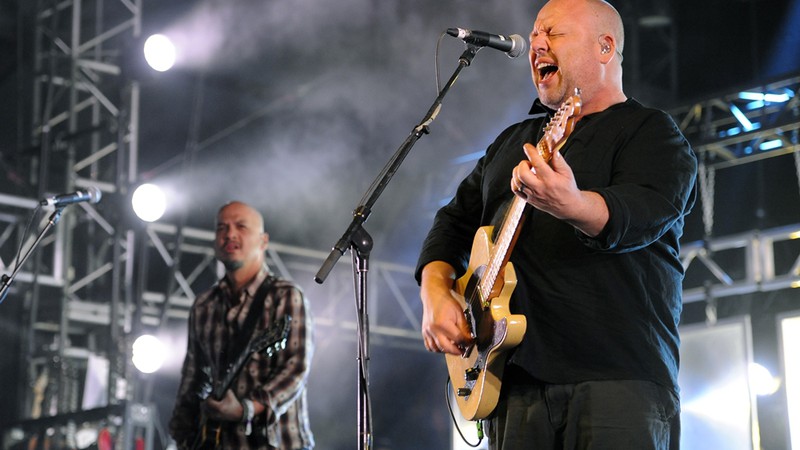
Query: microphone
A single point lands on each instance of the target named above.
(513, 45)
(92, 195)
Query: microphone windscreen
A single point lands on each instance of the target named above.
(519, 47)
(94, 194)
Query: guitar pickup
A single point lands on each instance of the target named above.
(463, 392)
(471, 374)
(466, 349)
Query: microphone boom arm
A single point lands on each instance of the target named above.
(362, 212)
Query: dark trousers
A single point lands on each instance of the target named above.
(592, 415)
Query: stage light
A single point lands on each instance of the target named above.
(159, 52)
(730, 132)
(148, 353)
(149, 202)
(743, 120)
(766, 97)
(770, 145)
(762, 382)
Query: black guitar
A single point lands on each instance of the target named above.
(268, 342)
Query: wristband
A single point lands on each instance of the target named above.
(249, 411)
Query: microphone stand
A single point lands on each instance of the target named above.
(7, 280)
(358, 240)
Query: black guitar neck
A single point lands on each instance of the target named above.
(269, 342)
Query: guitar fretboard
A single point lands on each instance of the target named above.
(555, 133)
(501, 250)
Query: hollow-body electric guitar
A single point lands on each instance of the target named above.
(268, 342)
(485, 291)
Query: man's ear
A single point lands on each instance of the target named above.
(264, 240)
(607, 48)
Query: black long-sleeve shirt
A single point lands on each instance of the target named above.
(597, 308)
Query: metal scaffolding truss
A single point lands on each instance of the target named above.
(83, 132)
(393, 291)
(750, 125)
(85, 123)
(745, 126)
(760, 261)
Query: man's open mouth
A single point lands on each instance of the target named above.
(546, 70)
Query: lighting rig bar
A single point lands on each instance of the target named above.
(744, 126)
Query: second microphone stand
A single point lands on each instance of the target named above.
(6, 280)
(358, 240)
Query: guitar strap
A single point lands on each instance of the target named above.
(245, 333)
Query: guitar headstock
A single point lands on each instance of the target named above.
(272, 339)
(206, 385)
(560, 126)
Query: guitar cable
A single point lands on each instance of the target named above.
(478, 423)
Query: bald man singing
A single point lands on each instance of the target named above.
(596, 259)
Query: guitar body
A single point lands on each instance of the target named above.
(476, 375)
(209, 437)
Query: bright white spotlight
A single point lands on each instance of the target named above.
(762, 382)
(149, 202)
(159, 52)
(148, 353)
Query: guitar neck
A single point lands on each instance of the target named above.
(267, 342)
(236, 367)
(506, 237)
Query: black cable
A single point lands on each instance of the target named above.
(436, 61)
(478, 423)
